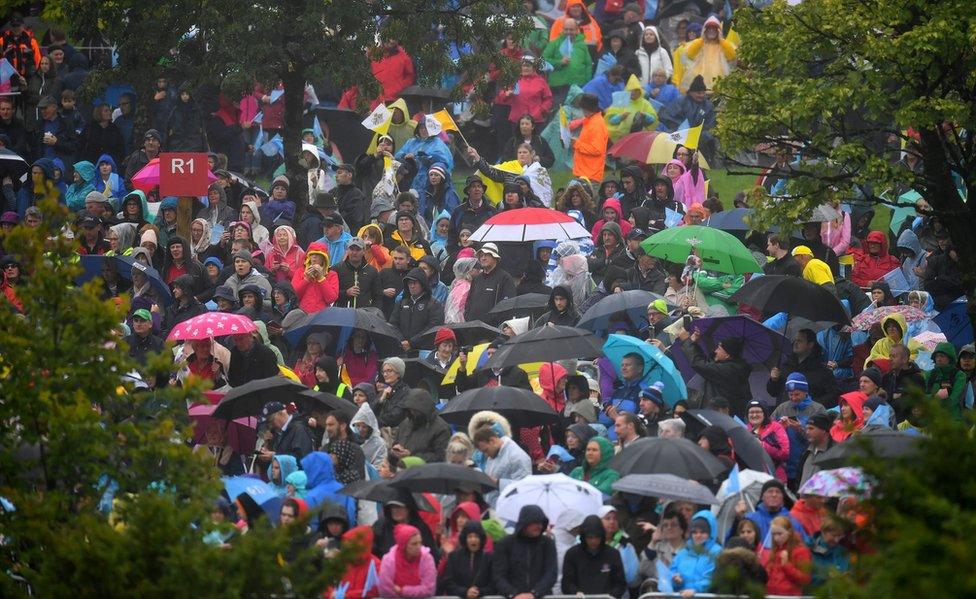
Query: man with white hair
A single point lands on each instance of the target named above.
(672, 428)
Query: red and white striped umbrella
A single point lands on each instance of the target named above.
(530, 224)
(212, 324)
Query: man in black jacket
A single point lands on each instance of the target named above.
(250, 360)
(423, 433)
(593, 567)
(291, 435)
(490, 287)
(142, 343)
(561, 310)
(524, 564)
(359, 283)
(783, 262)
(510, 376)
(416, 311)
(727, 375)
(184, 306)
(352, 203)
(391, 279)
(807, 359)
(901, 378)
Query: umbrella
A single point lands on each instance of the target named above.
(211, 324)
(241, 434)
(530, 304)
(761, 345)
(632, 302)
(13, 166)
(553, 493)
(657, 366)
(419, 369)
(343, 320)
(92, 267)
(442, 478)
(345, 129)
(649, 147)
(547, 344)
(837, 483)
(954, 322)
(666, 486)
(747, 447)
(930, 339)
(750, 491)
(733, 220)
(718, 250)
(249, 398)
(477, 358)
(530, 224)
(522, 407)
(793, 295)
(656, 455)
(467, 333)
(381, 491)
(824, 213)
(865, 320)
(261, 492)
(148, 176)
(882, 444)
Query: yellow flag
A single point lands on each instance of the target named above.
(446, 121)
(687, 137)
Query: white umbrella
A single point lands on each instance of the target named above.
(553, 493)
(530, 224)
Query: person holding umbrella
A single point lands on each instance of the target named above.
(291, 435)
(625, 397)
(726, 375)
(489, 287)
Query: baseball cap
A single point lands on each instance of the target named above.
(272, 407)
(47, 101)
(357, 242)
(142, 314)
(332, 219)
(637, 233)
(152, 133)
(802, 250)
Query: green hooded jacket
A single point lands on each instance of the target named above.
(579, 68)
(79, 190)
(599, 476)
(947, 377)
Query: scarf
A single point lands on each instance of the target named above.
(801, 407)
(407, 570)
(204, 244)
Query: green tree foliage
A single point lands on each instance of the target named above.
(840, 82)
(72, 428)
(234, 44)
(922, 518)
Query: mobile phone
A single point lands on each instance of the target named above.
(466, 349)
(686, 322)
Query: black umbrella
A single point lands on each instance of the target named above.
(656, 455)
(13, 166)
(530, 304)
(521, 407)
(547, 344)
(882, 444)
(345, 130)
(666, 486)
(793, 295)
(633, 303)
(746, 445)
(381, 491)
(422, 373)
(443, 478)
(249, 398)
(467, 333)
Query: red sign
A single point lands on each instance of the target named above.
(183, 174)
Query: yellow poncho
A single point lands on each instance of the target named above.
(620, 119)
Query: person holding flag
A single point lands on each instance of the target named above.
(570, 59)
(425, 149)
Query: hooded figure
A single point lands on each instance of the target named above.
(186, 307)
(523, 563)
(653, 55)
(414, 576)
(79, 190)
(844, 427)
(565, 316)
(113, 187)
(589, 570)
(623, 223)
(600, 476)
(465, 568)
(572, 271)
(710, 55)
(259, 233)
(415, 314)
(947, 382)
(126, 233)
(425, 151)
(692, 567)
(317, 288)
(893, 336)
(286, 466)
(423, 432)
(869, 267)
(374, 449)
(364, 567)
(637, 115)
(184, 125)
(322, 485)
(282, 264)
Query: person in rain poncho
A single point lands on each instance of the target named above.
(425, 149)
(652, 55)
(458, 294)
(282, 466)
(692, 567)
(895, 328)
(407, 569)
(637, 115)
(946, 381)
(251, 215)
(872, 261)
(572, 272)
(83, 184)
(108, 181)
(594, 469)
(710, 55)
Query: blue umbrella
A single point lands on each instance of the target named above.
(633, 303)
(261, 492)
(657, 366)
(954, 322)
(92, 267)
(345, 320)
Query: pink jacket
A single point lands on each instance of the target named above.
(837, 237)
(293, 259)
(777, 444)
(315, 296)
(428, 576)
(534, 98)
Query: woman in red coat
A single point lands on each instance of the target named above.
(530, 95)
(317, 287)
(363, 572)
(788, 562)
(872, 260)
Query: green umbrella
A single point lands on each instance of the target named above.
(718, 250)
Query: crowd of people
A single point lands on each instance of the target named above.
(390, 234)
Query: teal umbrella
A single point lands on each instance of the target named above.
(718, 250)
(657, 366)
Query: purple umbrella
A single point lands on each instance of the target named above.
(760, 344)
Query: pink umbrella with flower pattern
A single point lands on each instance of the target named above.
(212, 324)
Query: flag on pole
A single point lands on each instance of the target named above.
(276, 95)
(446, 120)
(317, 129)
(663, 577)
(273, 146)
(735, 486)
(433, 125)
(687, 137)
(372, 579)
(6, 72)
(564, 135)
(379, 120)
(258, 118)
